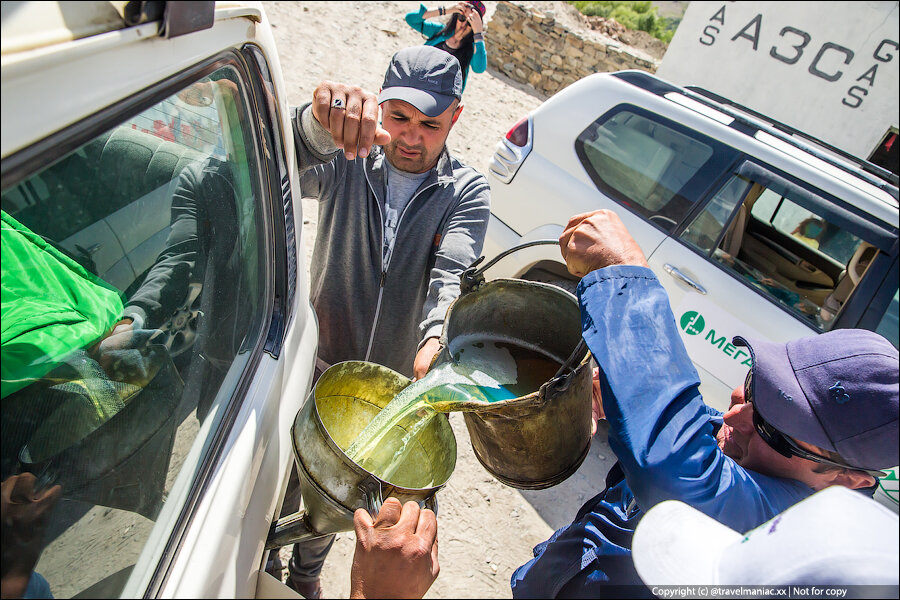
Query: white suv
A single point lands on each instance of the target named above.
(752, 228)
(149, 188)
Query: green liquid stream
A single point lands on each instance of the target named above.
(479, 372)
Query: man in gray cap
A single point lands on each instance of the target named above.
(813, 413)
(399, 220)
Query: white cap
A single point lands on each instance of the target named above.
(834, 537)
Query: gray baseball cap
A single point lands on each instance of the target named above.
(428, 78)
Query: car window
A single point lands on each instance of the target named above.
(653, 166)
(889, 326)
(705, 230)
(806, 226)
(133, 299)
(784, 245)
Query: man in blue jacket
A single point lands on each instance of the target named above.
(814, 412)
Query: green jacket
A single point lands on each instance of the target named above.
(50, 306)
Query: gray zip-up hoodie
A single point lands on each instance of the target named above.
(383, 313)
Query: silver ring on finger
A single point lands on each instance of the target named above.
(338, 104)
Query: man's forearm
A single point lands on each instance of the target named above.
(460, 245)
(659, 425)
(319, 138)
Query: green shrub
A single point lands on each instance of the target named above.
(639, 16)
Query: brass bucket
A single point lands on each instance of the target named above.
(344, 400)
(538, 440)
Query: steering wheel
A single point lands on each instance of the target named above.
(180, 330)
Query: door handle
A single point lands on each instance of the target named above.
(90, 250)
(674, 272)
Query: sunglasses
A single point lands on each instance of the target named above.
(784, 445)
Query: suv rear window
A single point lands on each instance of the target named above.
(653, 166)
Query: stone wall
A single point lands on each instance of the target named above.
(535, 49)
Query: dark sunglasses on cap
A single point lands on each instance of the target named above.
(787, 447)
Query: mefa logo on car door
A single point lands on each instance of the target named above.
(707, 332)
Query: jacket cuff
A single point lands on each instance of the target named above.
(614, 272)
(432, 332)
(137, 316)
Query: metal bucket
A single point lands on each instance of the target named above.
(344, 400)
(538, 440)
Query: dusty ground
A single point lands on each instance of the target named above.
(486, 529)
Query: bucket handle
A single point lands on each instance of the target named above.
(560, 381)
(373, 497)
(473, 277)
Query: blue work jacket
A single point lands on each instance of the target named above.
(663, 436)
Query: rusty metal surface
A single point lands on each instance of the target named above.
(535, 441)
(345, 399)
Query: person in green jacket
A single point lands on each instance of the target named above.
(51, 307)
(64, 371)
(462, 36)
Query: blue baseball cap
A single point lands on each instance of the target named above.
(428, 78)
(837, 391)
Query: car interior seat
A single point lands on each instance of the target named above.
(856, 268)
(734, 237)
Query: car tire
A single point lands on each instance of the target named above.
(544, 276)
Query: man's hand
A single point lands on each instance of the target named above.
(474, 19)
(350, 114)
(127, 354)
(596, 402)
(425, 356)
(599, 239)
(397, 555)
(25, 513)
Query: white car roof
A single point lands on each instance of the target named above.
(86, 52)
(30, 25)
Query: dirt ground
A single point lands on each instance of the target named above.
(486, 529)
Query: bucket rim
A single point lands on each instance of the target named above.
(518, 281)
(339, 452)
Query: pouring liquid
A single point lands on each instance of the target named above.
(483, 372)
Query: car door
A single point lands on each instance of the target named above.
(146, 418)
(767, 257)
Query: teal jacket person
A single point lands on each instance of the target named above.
(465, 24)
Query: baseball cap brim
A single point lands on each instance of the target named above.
(675, 544)
(777, 394)
(428, 103)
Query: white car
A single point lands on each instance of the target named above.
(147, 150)
(752, 228)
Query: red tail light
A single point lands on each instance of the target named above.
(518, 135)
